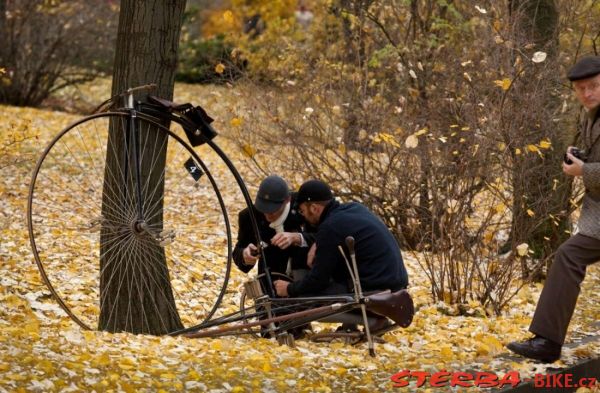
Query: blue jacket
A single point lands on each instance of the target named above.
(378, 256)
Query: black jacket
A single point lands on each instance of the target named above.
(378, 256)
(276, 258)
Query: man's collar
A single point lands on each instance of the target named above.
(279, 222)
(327, 210)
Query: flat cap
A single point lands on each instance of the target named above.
(272, 192)
(586, 67)
(313, 191)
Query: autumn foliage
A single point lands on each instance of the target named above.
(445, 118)
(42, 349)
(448, 120)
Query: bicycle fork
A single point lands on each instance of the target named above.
(131, 158)
(132, 145)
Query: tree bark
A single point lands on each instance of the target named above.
(135, 289)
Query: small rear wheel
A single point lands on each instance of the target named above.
(248, 305)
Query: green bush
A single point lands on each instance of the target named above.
(199, 62)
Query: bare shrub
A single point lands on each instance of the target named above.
(10, 146)
(50, 45)
(438, 118)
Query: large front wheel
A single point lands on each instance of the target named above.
(147, 256)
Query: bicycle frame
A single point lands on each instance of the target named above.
(397, 306)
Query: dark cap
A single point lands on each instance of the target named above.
(272, 192)
(313, 191)
(585, 68)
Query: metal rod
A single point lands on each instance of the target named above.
(358, 291)
(347, 265)
(236, 316)
(209, 333)
(136, 162)
(299, 300)
(246, 194)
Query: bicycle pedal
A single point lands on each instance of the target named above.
(94, 224)
(166, 237)
(286, 339)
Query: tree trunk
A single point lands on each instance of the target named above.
(4, 47)
(136, 294)
(2, 18)
(538, 184)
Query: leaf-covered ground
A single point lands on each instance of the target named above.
(42, 350)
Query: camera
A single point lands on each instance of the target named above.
(576, 153)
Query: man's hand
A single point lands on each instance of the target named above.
(310, 258)
(285, 239)
(250, 259)
(281, 288)
(574, 169)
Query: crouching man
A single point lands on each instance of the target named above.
(379, 260)
(280, 226)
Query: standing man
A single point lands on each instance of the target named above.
(280, 226)
(559, 296)
(380, 264)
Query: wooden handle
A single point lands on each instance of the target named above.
(350, 244)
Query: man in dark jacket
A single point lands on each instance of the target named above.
(280, 226)
(379, 260)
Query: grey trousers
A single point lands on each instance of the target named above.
(559, 296)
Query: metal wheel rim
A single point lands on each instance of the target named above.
(31, 197)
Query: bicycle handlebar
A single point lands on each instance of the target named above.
(109, 103)
(131, 90)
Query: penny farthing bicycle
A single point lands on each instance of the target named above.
(126, 186)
